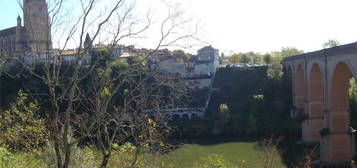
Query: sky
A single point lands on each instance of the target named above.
(257, 25)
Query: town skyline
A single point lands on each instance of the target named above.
(304, 24)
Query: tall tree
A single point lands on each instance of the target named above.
(235, 58)
(275, 70)
(331, 43)
(181, 54)
(285, 52)
(257, 58)
(267, 59)
(245, 59)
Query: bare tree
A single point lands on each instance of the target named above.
(126, 99)
(146, 90)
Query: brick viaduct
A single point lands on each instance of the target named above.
(320, 82)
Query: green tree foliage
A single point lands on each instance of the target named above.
(267, 58)
(352, 93)
(181, 54)
(234, 59)
(224, 114)
(330, 43)
(353, 90)
(275, 70)
(20, 128)
(236, 93)
(245, 59)
(223, 117)
(259, 104)
(256, 58)
(285, 52)
(274, 117)
(100, 56)
(256, 107)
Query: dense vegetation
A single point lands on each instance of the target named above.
(243, 108)
(237, 89)
(108, 107)
(250, 104)
(273, 57)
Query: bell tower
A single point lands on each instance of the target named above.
(37, 25)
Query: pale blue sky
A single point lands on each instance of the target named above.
(9, 10)
(258, 25)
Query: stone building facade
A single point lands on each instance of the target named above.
(32, 37)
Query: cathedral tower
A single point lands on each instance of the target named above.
(36, 23)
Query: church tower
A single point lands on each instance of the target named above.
(36, 23)
(20, 42)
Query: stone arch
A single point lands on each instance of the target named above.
(339, 87)
(176, 117)
(185, 116)
(339, 141)
(315, 102)
(299, 87)
(316, 89)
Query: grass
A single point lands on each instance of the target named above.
(187, 156)
(232, 152)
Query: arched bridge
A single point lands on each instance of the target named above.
(182, 113)
(320, 82)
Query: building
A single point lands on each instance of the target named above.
(124, 52)
(32, 37)
(199, 72)
(205, 63)
(172, 65)
(208, 60)
(208, 53)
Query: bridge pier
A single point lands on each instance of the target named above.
(337, 145)
(336, 148)
(313, 122)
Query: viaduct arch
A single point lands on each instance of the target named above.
(320, 82)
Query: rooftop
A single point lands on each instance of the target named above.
(8, 32)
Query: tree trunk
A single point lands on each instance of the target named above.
(106, 157)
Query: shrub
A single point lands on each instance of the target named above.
(5, 157)
(125, 156)
(269, 153)
(20, 129)
(18, 160)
